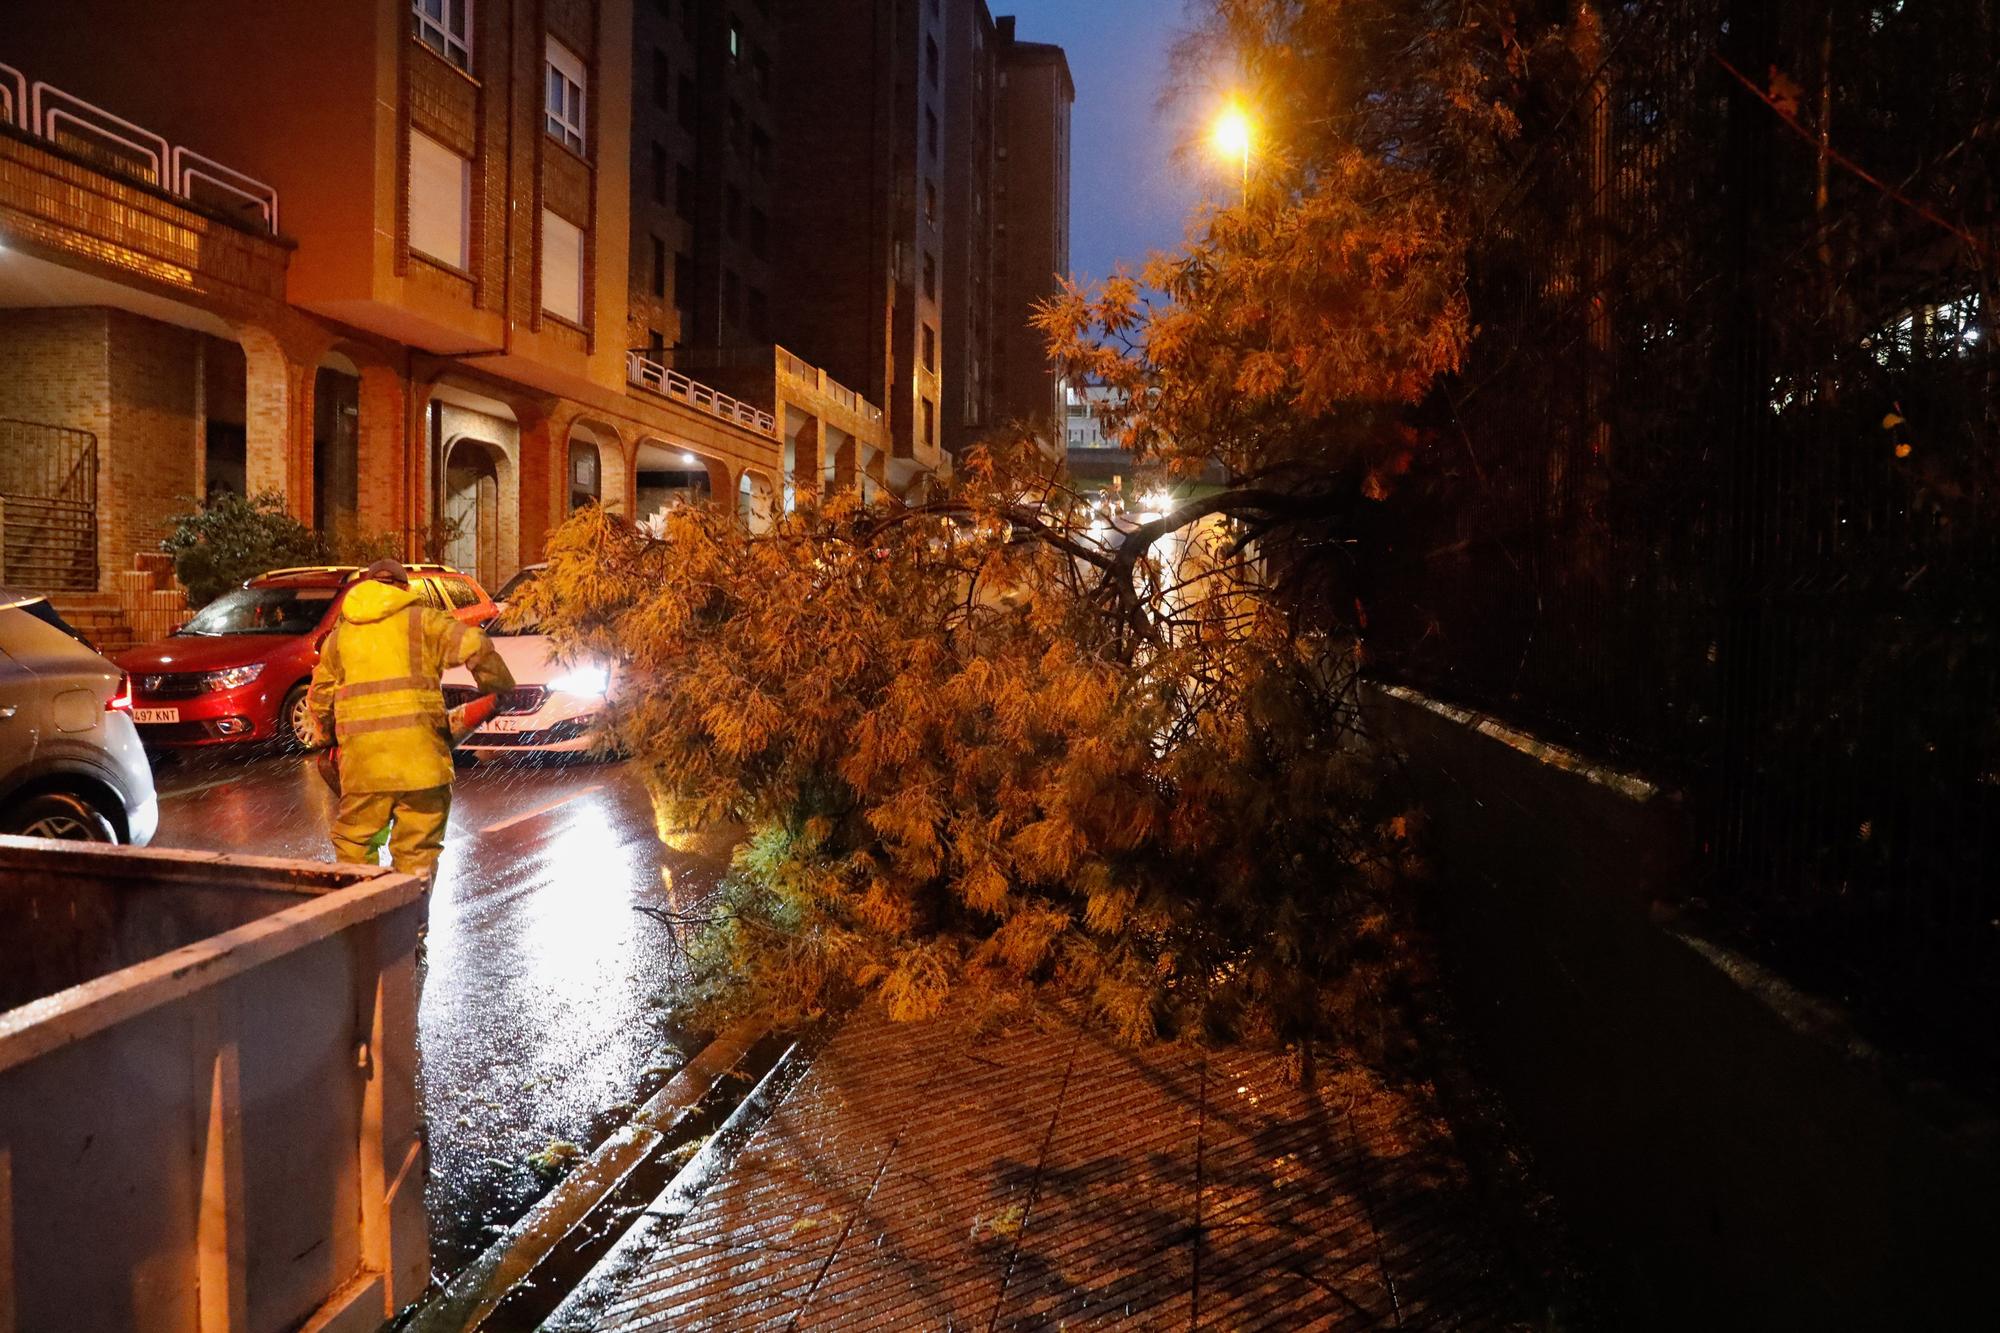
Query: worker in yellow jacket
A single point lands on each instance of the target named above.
(377, 693)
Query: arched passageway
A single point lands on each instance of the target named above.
(472, 509)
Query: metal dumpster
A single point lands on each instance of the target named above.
(208, 1113)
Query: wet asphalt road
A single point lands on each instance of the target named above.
(548, 1001)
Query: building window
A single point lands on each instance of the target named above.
(659, 173)
(930, 276)
(689, 20)
(930, 202)
(565, 101)
(735, 41)
(760, 233)
(585, 475)
(690, 107)
(739, 132)
(684, 192)
(562, 267)
(440, 202)
(760, 315)
(930, 349)
(732, 212)
(931, 60)
(656, 344)
(683, 283)
(663, 80)
(659, 267)
(931, 131)
(760, 149)
(732, 296)
(760, 71)
(930, 422)
(445, 26)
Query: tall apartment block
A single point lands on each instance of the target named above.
(378, 257)
(897, 130)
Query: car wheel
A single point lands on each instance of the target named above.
(294, 723)
(59, 815)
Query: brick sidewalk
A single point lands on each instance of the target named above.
(919, 1179)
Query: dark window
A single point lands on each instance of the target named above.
(930, 202)
(930, 422)
(690, 110)
(659, 173)
(739, 133)
(684, 192)
(760, 314)
(732, 296)
(931, 131)
(659, 267)
(683, 283)
(689, 19)
(760, 148)
(663, 81)
(930, 348)
(665, 7)
(760, 233)
(930, 276)
(760, 66)
(931, 60)
(656, 343)
(732, 216)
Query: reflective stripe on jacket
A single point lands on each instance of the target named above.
(377, 687)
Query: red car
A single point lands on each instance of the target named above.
(238, 670)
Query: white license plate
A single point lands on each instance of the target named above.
(156, 715)
(511, 724)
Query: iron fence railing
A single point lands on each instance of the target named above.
(48, 507)
(1721, 487)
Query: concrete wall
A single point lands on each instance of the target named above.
(1734, 1155)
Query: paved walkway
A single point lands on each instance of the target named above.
(1044, 1178)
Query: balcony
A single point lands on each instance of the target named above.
(656, 378)
(115, 145)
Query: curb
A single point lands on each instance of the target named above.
(475, 1293)
(579, 1310)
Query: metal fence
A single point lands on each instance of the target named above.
(48, 507)
(1720, 476)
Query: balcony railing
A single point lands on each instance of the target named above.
(118, 145)
(649, 374)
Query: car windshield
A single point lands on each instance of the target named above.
(512, 622)
(261, 611)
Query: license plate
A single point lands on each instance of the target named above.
(511, 724)
(156, 715)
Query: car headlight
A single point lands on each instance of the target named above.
(588, 681)
(230, 678)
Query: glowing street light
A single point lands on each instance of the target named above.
(1232, 139)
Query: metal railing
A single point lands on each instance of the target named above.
(120, 146)
(650, 374)
(48, 507)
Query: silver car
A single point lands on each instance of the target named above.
(71, 765)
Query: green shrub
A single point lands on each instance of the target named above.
(230, 538)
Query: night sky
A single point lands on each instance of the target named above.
(1128, 194)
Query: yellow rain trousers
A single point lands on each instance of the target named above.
(376, 690)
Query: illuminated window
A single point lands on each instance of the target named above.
(562, 267)
(440, 202)
(564, 118)
(445, 26)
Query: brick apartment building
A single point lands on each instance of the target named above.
(445, 269)
(372, 256)
(913, 138)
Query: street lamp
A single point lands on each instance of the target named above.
(1232, 139)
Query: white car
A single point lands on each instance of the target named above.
(552, 709)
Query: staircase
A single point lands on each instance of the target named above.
(147, 605)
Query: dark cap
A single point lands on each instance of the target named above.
(388, 571)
